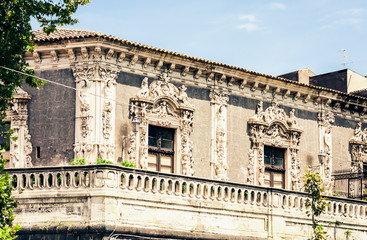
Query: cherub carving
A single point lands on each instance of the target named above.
(144, 91)
(183, 95)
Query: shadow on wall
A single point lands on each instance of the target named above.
(309, 160)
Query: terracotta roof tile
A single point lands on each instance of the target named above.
(59, 34)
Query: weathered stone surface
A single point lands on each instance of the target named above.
(52, 119)
(221, 138)
(128, 201)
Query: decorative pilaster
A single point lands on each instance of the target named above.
(95, 114)
(325, 121)
(218, 161)
(251, 166)
(132, 149)
(143, 153)
(295, 170)
(17, 113)
(107, 142)
(186, 144)
(260, 159)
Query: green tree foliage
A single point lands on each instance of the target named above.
(126, 163)
(7, 205)
(316, 202)
(103, 161)
(78, 161)
(16, 39)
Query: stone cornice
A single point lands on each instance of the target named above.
(235, 80)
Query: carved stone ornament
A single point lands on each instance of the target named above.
(109, 77)
(108, 74)
(325, 121)
(251, 167)
(83, 75)
(273, 127)
(358, 144)
(218, 98)
(17, 114)
(71, 55)
(83, 150)
(54, 57)
(106, 151)
(85, 114)
(132, 149)
(219, 101)
(106, 119)
(162, 104)
(36, 57)
(96, 118)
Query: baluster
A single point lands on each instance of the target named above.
(191, 189)
(239, 195)
(198, 190)
(265, 199)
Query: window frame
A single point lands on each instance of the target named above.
(158, 150)
(271, 168)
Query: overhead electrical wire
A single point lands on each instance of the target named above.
(130, 105)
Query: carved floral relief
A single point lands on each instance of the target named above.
(273, 127)
(94, 82)
(325, 121)
(219, 101)
(17, 113)
(358, 143)
(162, 104)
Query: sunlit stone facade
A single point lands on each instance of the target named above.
(222, 147)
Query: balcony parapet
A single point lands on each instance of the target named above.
(193, 194)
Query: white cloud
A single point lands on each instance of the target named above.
(344, 21)
(351, 17)
(352, 11)
(249, 23)
(248, 17)
(250, 27)
(278, 5)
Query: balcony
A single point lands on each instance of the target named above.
(97, 201)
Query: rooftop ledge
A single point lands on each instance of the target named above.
(129, 200)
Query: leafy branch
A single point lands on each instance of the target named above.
(316, 202)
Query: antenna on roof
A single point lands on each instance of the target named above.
(345, 56)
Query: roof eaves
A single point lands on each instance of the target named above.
(136, 44)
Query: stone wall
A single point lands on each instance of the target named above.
(52, 124)
(52, 119)
(240, 110)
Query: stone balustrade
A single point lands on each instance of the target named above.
(196, 195)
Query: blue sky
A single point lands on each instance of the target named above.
(271, 37)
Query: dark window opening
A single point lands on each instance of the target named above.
(38, 151)
(161, 149)
(274, 167)
(4, 136)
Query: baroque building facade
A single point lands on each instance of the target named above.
(195, 129)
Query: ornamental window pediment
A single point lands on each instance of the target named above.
(162, 104)
(274, 115)
(272, 127)
(358, 144)
(162, 89)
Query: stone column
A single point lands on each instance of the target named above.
(218, 161)
(95, 112)
(21, 148)
(325, 121)
(107, 116)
